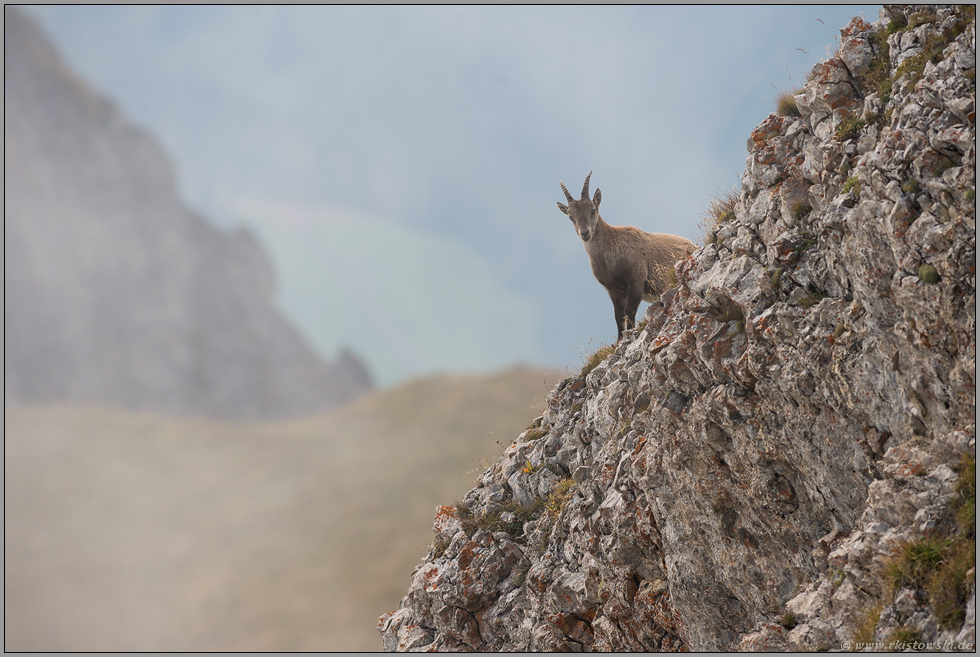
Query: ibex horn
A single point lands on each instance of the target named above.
(565, 189)
(585, 187)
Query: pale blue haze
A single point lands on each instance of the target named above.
(401, 164)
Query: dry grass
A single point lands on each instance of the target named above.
(597, 357)
(720, 210)
(786, 104)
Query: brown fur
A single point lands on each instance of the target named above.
(631, 264)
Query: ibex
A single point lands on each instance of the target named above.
(631, 264)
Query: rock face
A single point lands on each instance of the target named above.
(116, 292)
(737, 472)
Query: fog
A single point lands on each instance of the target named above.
(360, 141)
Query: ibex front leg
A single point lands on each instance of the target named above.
(620, 301)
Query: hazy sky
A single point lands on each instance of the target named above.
(402, 163)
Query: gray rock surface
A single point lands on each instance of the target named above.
(787, 416)
(114, 291)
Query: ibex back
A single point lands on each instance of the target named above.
(631, 264)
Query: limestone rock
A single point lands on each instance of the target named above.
(735, 473)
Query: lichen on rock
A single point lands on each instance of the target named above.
(786, 419)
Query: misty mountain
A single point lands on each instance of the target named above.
(114, 290)
(138, 531)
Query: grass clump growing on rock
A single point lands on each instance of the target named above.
(852, 183)
(559, 497)
(593, 361)
(721, 210)
(943, 566)
(801, 209)
(788, 620)
(533, 433)
(849, 127)
(868, 622)
(786, 104)
(495, 520)
(905, 634)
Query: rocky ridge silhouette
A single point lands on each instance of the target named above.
(116, 292)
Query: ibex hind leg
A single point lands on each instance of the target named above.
(619, 310)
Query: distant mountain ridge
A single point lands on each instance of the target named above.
(114, 291)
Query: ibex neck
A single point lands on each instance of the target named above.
(596, 246)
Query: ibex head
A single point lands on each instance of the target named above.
(584, 213)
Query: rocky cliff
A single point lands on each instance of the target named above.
(114, 291)
(762, 463)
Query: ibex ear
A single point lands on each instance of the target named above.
(563, 208)
(597, 198)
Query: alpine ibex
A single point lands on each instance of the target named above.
(631, 264)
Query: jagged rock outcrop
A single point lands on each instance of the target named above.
(738, 471)
(113, 290)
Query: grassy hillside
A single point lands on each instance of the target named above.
(136, 531)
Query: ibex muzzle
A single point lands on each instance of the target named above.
(583, 213)
(631, 264)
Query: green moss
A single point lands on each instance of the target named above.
(811, 299)
(911, 187)
(839, 331)
(928, 274)
(774, 279)
(970, 195)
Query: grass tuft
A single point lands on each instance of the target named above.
(721, 210)
(852, 183)
(849, 127)
(593, 361)
(559, 497)
(786, 104)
